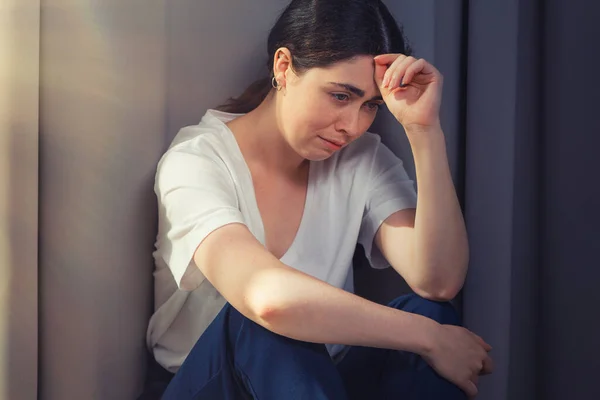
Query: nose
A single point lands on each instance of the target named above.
(348, 123)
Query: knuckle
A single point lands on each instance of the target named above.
(400, 59)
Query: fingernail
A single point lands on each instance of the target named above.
(385, 82)
(402, 83)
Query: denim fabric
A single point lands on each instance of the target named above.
(236, 358)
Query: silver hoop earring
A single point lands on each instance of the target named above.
(275, 84)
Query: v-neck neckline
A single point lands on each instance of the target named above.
(247, 184)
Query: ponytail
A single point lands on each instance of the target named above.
(250, 99)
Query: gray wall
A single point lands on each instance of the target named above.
(19, 78)
(102, 129)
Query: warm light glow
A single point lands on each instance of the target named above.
(19, 88)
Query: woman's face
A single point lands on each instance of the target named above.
(325, 109)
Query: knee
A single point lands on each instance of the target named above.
(441, 311)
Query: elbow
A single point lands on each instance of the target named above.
(266, 309)
(442, 285)
(273, 317)
(259, 307)
(441, 293)
(440, 296)
(267, 312)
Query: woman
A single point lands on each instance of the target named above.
(261, 206)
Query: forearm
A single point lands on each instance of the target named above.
(441, 244)
(308, 309)
(291, 303)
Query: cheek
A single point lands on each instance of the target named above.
(308, 117)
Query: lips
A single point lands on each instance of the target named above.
(338, 143)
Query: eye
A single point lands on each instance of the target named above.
(373, 106)
(340, 97)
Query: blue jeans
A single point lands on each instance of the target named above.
(236, 358)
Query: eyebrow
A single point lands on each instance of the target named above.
(355, 90)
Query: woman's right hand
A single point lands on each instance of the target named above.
(460, 356)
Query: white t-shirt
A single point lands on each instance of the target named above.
(203, 183)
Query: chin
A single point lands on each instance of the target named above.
(321, 158)
(317, 156)
(314, 153)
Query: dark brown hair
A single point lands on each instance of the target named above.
(319, 33)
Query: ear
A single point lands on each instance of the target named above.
(282, 65)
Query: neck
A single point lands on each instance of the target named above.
(262, 142)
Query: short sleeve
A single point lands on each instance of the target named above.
(389, 189)
(196, 196)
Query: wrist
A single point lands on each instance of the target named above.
(423, 132)
(427, 143)
(419, 335)
(416, 129)
(428, 337)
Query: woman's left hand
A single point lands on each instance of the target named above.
(415, 104)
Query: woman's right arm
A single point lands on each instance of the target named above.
(294, 304)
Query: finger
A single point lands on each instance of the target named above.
(380, 70)
(412, 70)
(387, 59)
(470, 389)
(483, 343)
(392, 70)
(488, 366)
(396, 72)
(486, 345)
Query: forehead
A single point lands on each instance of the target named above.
(358, 71)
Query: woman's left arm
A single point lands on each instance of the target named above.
(427, 246)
